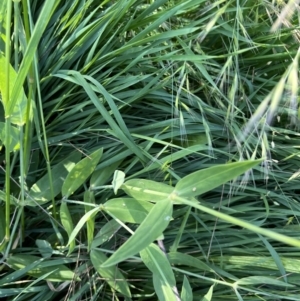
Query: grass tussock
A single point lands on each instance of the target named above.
(174, 120)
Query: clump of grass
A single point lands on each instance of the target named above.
(158, 90)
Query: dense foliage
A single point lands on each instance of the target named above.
(102, 93)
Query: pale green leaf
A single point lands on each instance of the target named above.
(207, 179)
(209, 294)
(147, 190)
(163, 276)
(118, 180)
(81, 171)
(89, 198)
(149, 230)
(128, 210)
(111, 275)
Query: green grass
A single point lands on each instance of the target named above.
(167, 93)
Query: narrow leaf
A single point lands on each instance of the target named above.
(90, 223)
(207, 179)
(40, 25)
(59, 272)
(81, 171)
(149, 230)
(157, 262)
(81, 223)
(14, 136)
(111, 275)
(163, 276)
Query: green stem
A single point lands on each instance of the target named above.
(239, 222)
(7, 122)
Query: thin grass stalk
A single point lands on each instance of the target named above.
(22, 170)
(31, 83)
(44, 147)
(7, 124)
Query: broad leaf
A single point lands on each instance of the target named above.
(128, 210)
(106, 232)
(59, 272)
(158, 263)
(81, 171)
(147, 190)
(40, 192)
(207, 179)
(149, 230)
(30, 52)
(111, 275)
(163, 291)
(89, 198)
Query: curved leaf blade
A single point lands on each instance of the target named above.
(149, 230)
(186, 292)
(207, 179)
(59, 271)
(163, 276)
